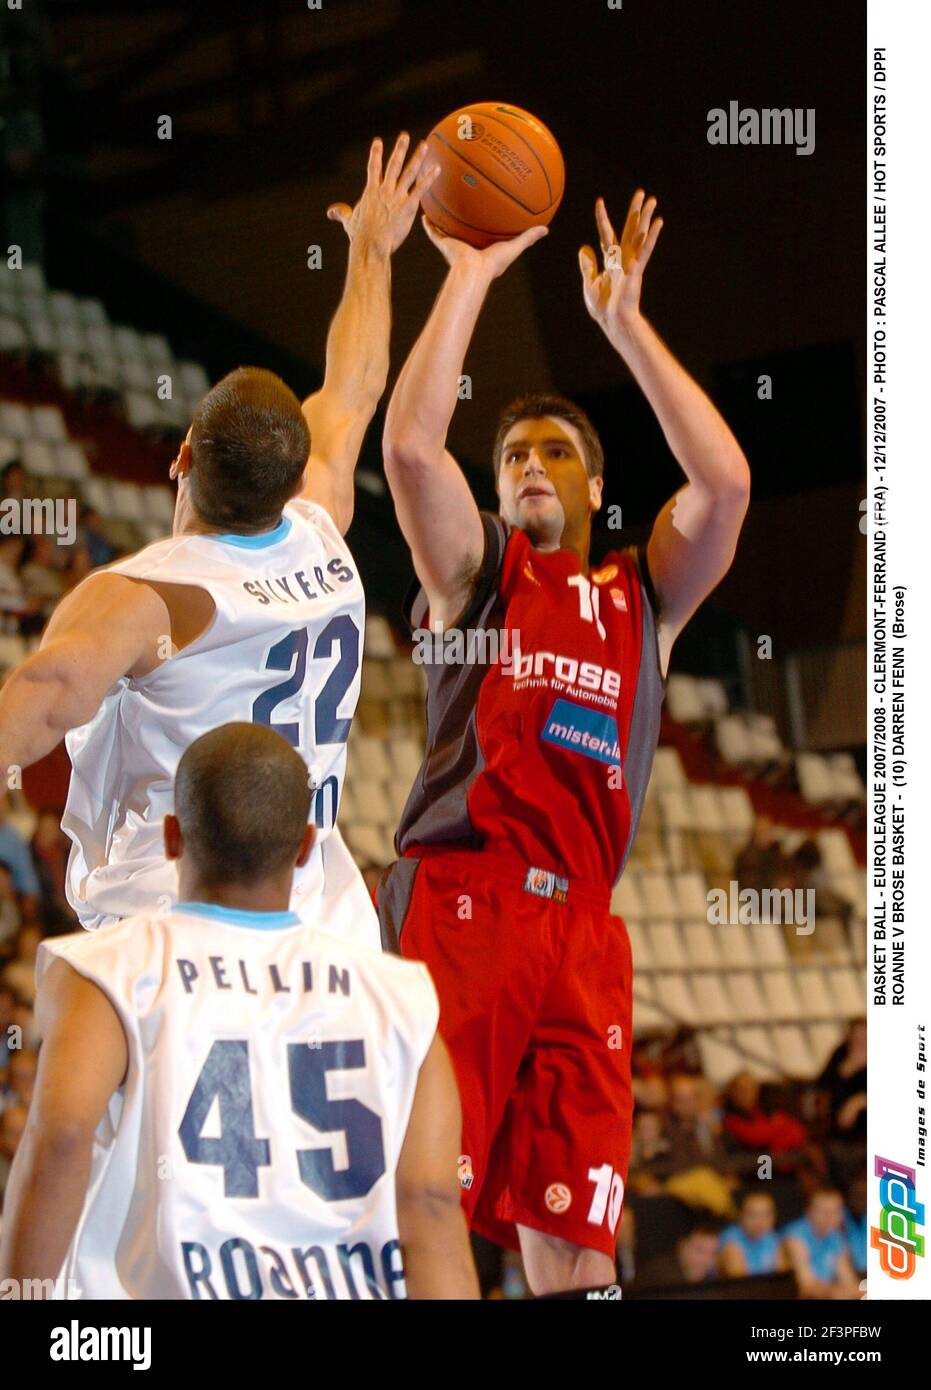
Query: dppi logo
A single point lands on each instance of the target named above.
(896, 1237)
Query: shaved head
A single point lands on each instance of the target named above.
(242, 799)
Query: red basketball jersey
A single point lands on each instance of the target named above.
(543, 711)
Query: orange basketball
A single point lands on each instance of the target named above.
(501, 171)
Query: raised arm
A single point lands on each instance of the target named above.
(436, 510)
(357, 344)
(695, 535)
(82, 1061)
(108, 627)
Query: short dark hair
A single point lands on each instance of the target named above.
(242, 799)
(249, 446)
(540, 404)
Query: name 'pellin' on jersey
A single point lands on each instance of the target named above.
(284, 649)
(544, 753)
(251, 1151)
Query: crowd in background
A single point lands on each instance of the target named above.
(36, 571)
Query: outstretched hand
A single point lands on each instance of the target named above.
(385, 212)
(490, 261)
(612, 295)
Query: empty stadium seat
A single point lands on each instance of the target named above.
(684, 699)
(711, 998)
(814, 995)
(666, 946)
(674, 996)
(701, 947)
(782, 998)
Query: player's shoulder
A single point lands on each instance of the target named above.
(305, 513)
(126, 938)
(632, 563)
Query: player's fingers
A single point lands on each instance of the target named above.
(396, 159)
(646, 214)
(433, 232)
(426, 178)
(528, 238)
(374, 170)
(413, 168)
(605, 229)
(588, 264)
(339, 212)
(651, 240)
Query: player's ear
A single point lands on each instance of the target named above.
(181, 463)
(174, 845)
(595, 489)
(307, 844)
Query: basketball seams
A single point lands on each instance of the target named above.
(507, 193)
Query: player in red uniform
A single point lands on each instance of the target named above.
(537, 762)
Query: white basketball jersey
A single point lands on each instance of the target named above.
(284, 649)
(251, 1151)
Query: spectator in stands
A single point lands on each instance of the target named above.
(648, 1153)
(24, 1063)
(751, 1245)
(650, 1091)
(91, 535)
(7, 1007)
(19, 974)
(694, 1260)
(844, 1083)
(697, 1168)
(817, 1251)
(50, 849)
(761, 863)
(10, 919)
(856, 1222)
(15, 852)
(750, 1130)
(40, 573)
(12, 1125)
(14, 481)
(79, 567)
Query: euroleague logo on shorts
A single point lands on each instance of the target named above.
(558, 1198)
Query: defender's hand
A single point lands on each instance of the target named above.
(384, 214)
(612, 295)
(491, 261)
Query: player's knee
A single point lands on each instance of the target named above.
(554, 1265)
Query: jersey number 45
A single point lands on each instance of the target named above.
(226, 1079)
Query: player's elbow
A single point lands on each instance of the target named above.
(427, 1197)
(59, 1140)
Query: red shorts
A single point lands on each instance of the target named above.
(535, 1008)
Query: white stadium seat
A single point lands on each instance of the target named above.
(701, 947)
(48, 423)
(711, 998)
(782, 1000)
(666, 946)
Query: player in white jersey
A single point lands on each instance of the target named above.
(253, 610)
(231, 1103)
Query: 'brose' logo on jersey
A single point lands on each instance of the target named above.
(587, 675)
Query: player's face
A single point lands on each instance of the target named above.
(543, 482)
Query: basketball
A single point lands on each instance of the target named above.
(501, 171)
